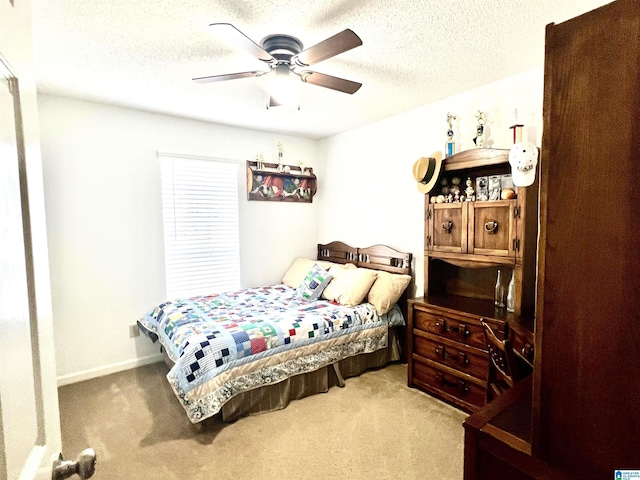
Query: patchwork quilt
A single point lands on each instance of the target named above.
(225, 344)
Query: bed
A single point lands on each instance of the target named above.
(252, 351)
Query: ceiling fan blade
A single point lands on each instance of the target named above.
(332, 46)
(329, 81)
(229, 76)
(234, 35)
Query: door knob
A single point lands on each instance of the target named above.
(84, 466)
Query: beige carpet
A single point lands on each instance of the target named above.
(374, 428)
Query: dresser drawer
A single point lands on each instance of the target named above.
(522, 346)
(451, 386)
(466, 359)
(465, 330)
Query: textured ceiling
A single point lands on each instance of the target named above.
(144, 53)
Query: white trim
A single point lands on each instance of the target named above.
(108, 369)
(160, 153)
(33, 462)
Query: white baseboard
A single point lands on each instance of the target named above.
(108, 369)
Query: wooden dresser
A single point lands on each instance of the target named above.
(466, 243)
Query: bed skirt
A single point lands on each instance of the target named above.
(277, 396)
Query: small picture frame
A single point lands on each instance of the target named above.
(482, 189)
(495, 187)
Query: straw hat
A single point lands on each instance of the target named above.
(426, 171)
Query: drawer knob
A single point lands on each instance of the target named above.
(463, 360)
(527, 351)
(459, 385)
(446, 226)
(463, 331)
(443, 327)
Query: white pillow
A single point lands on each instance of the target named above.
(387, 290)
(332, 292)
(299, 269)
(351, 286)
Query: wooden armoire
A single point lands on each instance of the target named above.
(579, 414)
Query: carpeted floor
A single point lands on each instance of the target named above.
(374, 428)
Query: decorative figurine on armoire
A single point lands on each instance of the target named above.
(450, 145)
(280, 165)
(516, 127)
(469, 192)
(479, 138)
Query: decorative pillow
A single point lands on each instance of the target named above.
(352, 286)
(332, 292)
(299, 269)
(313, 284)
(386, 291)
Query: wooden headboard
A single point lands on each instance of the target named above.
(376, 257)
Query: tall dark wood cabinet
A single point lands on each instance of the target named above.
(586, 417)
(466, 243)
(579, 416)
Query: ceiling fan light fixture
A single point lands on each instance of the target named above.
(284, 88)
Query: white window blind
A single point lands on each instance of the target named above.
(201, 232)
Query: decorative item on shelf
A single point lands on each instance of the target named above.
(450, 145)
(500, 294)
(479, 138)
(523, 158)
(494, 187)
(426, 171)
(260, 161)
(506, 183)
(511, 293)
(444, 186)
(455, 189)
(517, 128)
(302, 165)
(469, 192)
(280, 154)
(482, 189)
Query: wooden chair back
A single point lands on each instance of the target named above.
(503, 369)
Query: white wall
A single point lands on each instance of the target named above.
(371, 196)
(104, 220)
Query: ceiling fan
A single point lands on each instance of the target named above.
(284, 55)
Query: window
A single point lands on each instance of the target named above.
(201, 232)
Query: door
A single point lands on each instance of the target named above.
(492, 228)
(29, 419)
(447, 227)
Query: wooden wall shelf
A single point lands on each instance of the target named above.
(267, 183)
